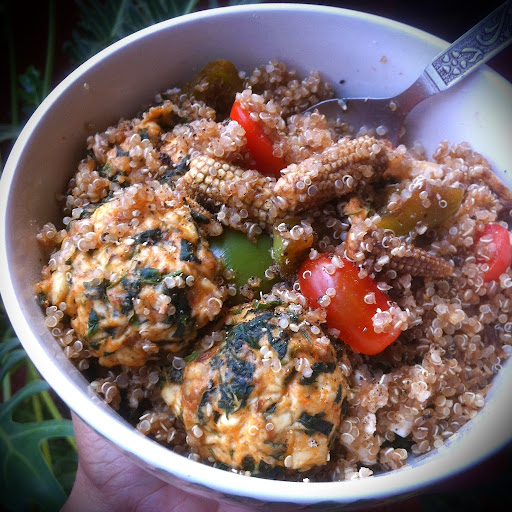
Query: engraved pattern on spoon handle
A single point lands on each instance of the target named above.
(478, 45)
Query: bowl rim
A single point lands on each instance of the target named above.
(139, 447)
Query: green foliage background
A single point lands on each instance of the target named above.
(38, 456)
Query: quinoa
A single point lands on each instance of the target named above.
(455, 327)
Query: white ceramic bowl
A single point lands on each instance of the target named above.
(119, 81)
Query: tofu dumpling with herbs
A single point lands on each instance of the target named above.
(266, 398)
(135, 277)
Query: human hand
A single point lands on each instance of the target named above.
(108, 481)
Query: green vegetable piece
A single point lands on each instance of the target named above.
(290, 246)
(439, 204)
(216, 84)
(245, 258)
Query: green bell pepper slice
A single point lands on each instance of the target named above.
(245, 258)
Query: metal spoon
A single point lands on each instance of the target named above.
(385, 116)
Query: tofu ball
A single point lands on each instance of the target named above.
(267, 397)
(137, 276)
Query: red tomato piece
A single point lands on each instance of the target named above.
(494, 249)
(258, 144)
(348, 311)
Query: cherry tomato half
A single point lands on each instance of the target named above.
(258, 144)
(352, 308)
(494, 249)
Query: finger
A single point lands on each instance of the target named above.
(119, 484)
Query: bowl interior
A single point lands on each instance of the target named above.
(374, 57)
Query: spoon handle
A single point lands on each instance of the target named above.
(476, 46)
(486, 39)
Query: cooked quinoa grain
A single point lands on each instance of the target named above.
(264, 384)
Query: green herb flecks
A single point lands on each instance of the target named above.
(318, 368)
(206, 398)
(345, 407)
(115, 283)
(173, 375)
(244, 332)
(143, 134)
(237, 385)
(181, 317)
(173, 274)
(306, 335)
(262, 305)
(235, 373)
(252, 331)
(121, 152)
(221, 465)
(106, 170)
(199, 217)
(278, 449)
(280, 343)
(316, 423)
(183, 167)
(270, 410)
(134, 320)
(271, 472)
(290, 376)
(187, 252)
(248, 463)
(339, 393)
(260, 326)
(111, 331)
(149, 275)
(93, 323)
(150, 236)
(131, 286)
(192, 356)
(95, 289)
(87, 211)
(175, 171)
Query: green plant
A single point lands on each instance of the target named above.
(35, 471)
(38, 456)
(100, 23)
(29, 88)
